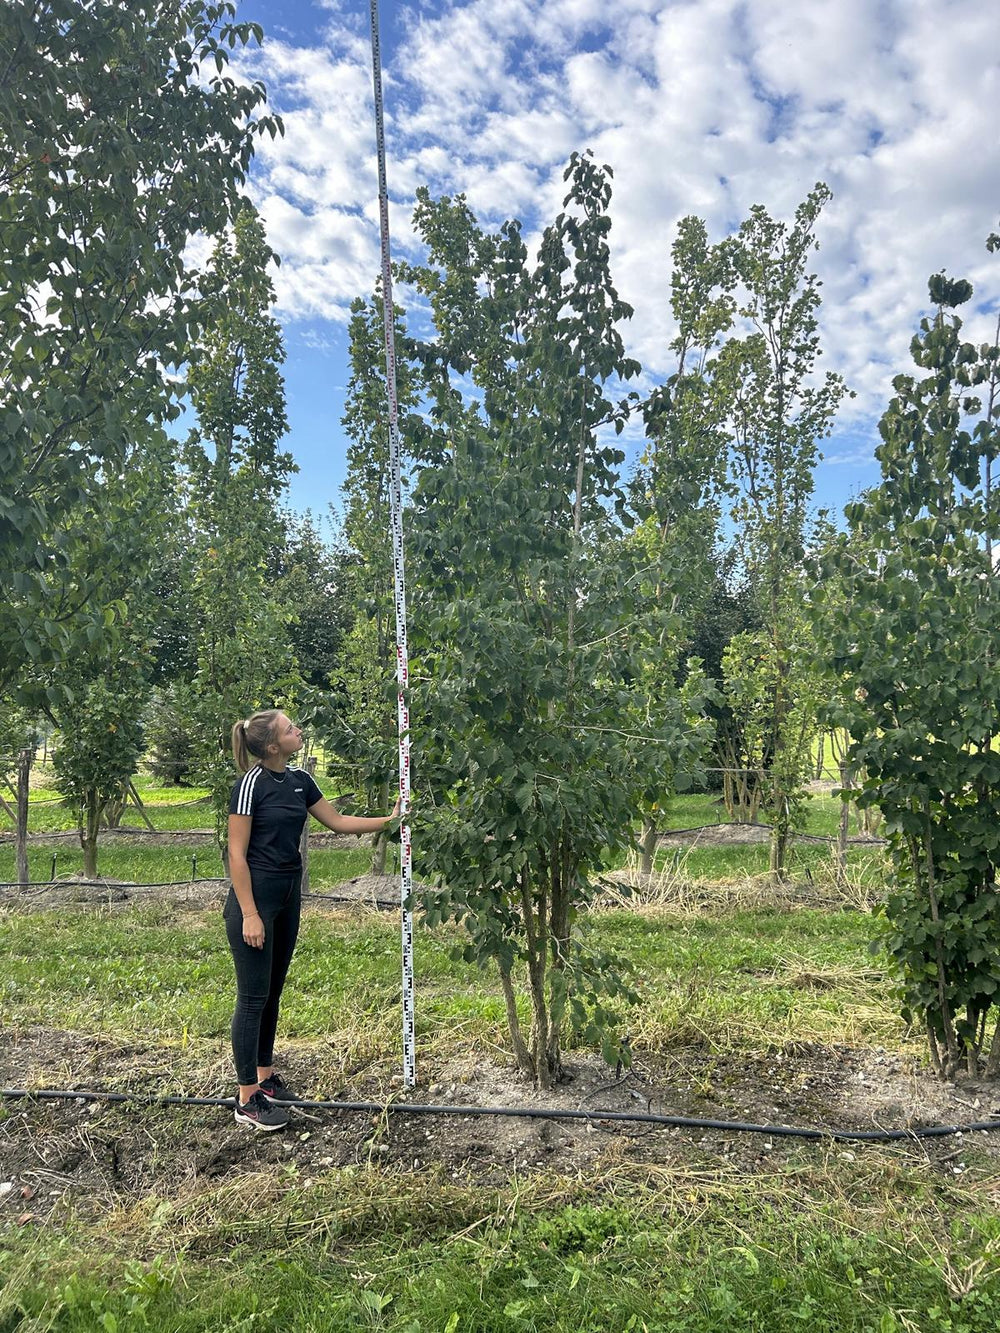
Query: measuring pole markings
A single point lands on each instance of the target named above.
(399, 574)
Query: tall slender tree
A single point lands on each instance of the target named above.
(779, 408)
(236, 476)
(913, 638)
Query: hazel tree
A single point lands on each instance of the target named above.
(913, 625)
(524, 598)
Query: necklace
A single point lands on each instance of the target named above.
(276, 778)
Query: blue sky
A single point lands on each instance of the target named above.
(700, 106)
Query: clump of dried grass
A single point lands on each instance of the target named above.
(858, 888)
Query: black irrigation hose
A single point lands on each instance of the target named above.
(109, 887)
(40, 885)
(530, 1113)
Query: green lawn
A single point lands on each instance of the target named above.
(179, 808)
(822, 812)
(726, 980)
(869, 1241)
(377, 1251)
(157, 864)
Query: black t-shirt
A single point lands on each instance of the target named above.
(278, 805)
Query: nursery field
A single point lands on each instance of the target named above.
(704, 849)
(756, 1004)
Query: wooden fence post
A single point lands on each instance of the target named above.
(304, 841)
(21, 832)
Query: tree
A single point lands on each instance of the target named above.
(913, 635)
(236, 475)
(310, 576)
(778, 411)
(525, 598)
(167, 726)
(727, 608)
(99, 747)
(679, 481)
(360, 724)
(121, 530)
(122, 135)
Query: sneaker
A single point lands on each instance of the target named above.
(258, 1113)
(275, 1089)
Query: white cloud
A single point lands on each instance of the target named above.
(704, 106)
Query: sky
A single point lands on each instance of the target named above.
(699, 106)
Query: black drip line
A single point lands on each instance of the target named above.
(35, 887)
(596, 1117)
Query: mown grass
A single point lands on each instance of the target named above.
(821, 812)
(182, 808)
(170, 808)
(807, 1247)
(728, 981)
(872, 1241)
(159, 864)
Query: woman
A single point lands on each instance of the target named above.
(267, 812)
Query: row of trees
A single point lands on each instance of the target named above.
(586, 638)
(558, 599)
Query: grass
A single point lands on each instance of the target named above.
(156, 864)
(872, 1241)
(182, 808)
(668, 1252)
(169, 808)
(821, 816)
(744, 979)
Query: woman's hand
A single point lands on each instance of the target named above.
(253, 931)
(397, 808)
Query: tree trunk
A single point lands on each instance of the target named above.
(820, 756)
(536, 982)
(949, 1058)
(138, 803)
(562, 872)
(648, 845)
(304, 840)
(843, 827)
(89, 834)
(780, 834)
(380, 843)
(993, 1064)
(521, 1052)
(21, 825)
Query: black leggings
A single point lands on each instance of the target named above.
(260, 973)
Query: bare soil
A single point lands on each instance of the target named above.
(91, 1158)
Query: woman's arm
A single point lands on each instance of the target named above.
(333, 819)
(239, 873)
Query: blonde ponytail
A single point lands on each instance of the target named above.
(252, 736)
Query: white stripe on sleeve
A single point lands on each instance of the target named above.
(244, 802)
